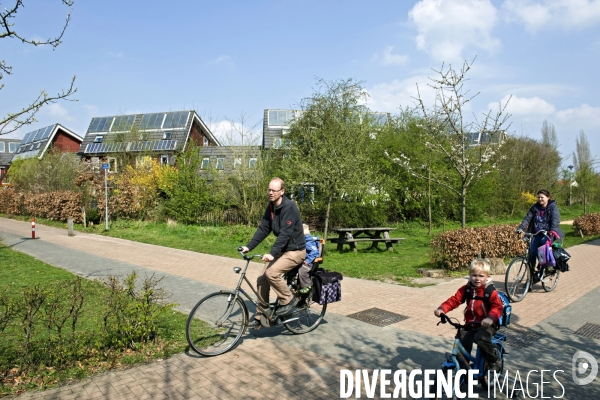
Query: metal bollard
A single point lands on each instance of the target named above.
(33, 227)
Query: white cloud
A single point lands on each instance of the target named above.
(120, 54)
(58, 112)
(544, 14)
(583, 117)
(228, 133)
(389, 96)
(392, 59)
(525, 106)
(447, 27)
(221, 59)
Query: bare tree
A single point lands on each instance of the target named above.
(585, 174)
(14, 120)
(248, 177)
(470, 146)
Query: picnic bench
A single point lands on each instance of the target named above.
(351, 236)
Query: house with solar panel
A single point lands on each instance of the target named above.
(8, 148)
(276, 124)
(158, 135)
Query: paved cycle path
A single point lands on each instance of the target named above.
(274, 364)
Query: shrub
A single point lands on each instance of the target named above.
(456, 249)
(55, 206)
(588, 224)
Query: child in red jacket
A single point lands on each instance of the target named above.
(483, 313)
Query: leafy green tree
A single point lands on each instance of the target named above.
(56, 171)
(329, 144)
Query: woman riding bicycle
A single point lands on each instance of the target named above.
(542, 216)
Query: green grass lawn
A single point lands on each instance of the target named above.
(378, 264)
(19, 271)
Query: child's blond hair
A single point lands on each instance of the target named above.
(306, 229)
(480, 264)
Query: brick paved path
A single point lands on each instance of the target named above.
(311, 362)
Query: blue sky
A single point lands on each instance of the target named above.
(225, 58)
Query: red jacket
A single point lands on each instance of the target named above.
(476, 310)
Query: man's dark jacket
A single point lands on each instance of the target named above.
(285, 223)
(552, 218)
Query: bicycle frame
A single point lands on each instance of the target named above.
(461, 359)
(267, 312)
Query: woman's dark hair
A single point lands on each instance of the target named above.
(544, 192)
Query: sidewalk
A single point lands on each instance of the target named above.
(311, 362)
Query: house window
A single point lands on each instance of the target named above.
(237, 162)
(37, 146)
(31, 146)
(220, 163)
(205, 163)
(144, 136)
(2, 147)
(167, 135)
(98, 139)
(280, 117)
(252, 163)
(112, 165)
(206, 142)
(12, 147)
(277, 143)
(164, 159)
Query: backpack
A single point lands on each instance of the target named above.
(506, 307)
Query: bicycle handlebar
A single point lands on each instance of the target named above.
(246, 256)
(446, 319)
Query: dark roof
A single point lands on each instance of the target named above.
(35, 143)
(6, 156)
(160, 132)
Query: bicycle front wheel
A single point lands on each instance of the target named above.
(518, 279)
(309, 314)
(550, 281)
(216, 324)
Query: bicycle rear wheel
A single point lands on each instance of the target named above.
(309, 314)
(550, 281)
(517, 279)
(216, 324)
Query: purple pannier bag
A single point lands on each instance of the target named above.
(546, 256)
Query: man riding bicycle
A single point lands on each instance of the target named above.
(281, 217)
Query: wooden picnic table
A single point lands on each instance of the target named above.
(375, 235)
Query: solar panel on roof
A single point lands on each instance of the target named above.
(27, 137)
(176, 119)
(101, 124)
(47, 132)
(122, 123)
(152, 121)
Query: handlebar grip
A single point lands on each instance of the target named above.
(240, 248)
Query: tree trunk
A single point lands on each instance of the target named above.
(327, 215)
(463, 195)
(429, 200)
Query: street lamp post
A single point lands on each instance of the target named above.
(570, 183)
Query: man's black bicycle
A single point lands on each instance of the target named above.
(220, 319)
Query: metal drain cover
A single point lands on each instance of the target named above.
(378, 317)
(521, 337)
(589, 330)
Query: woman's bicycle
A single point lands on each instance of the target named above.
(220, 319)
(460, 359)
(521, 276)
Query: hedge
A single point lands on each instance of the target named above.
(588, 224)
(55, 206)
(456, 249)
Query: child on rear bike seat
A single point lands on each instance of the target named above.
(312, 252)
(483, 313)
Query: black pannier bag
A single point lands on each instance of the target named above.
(561, 257)
(327, 286)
